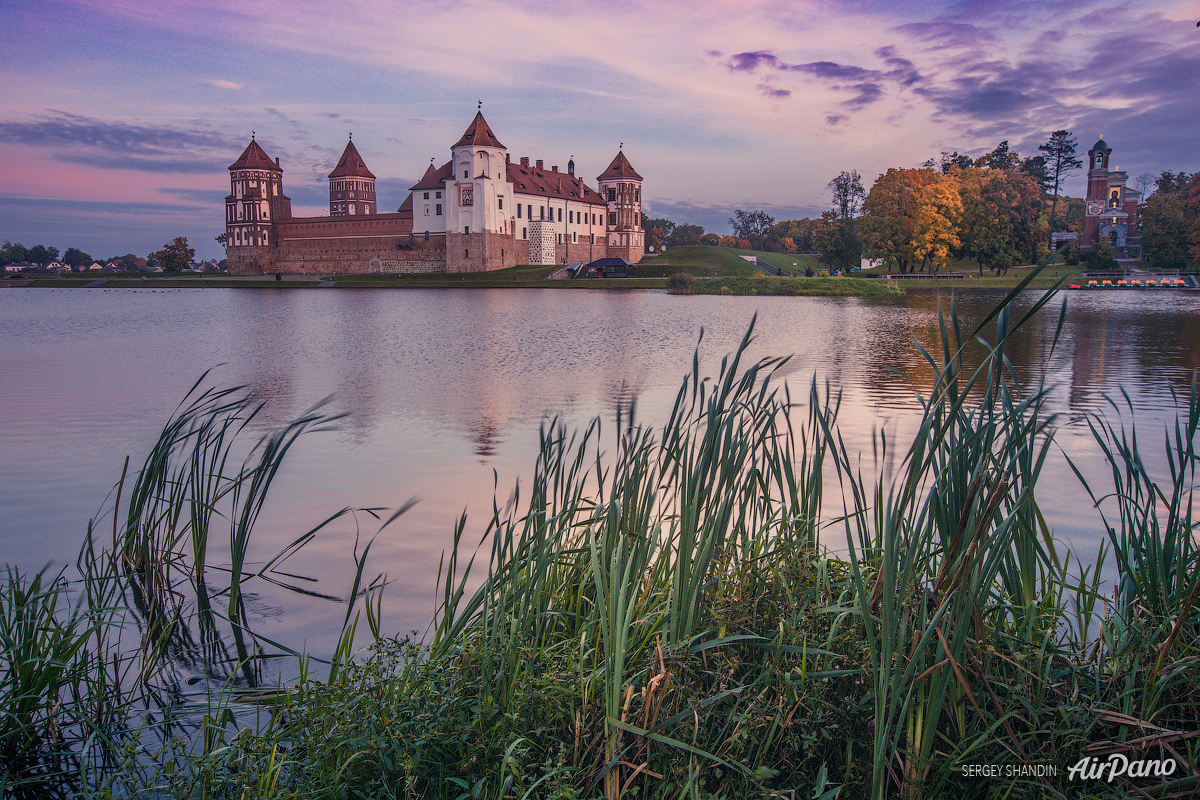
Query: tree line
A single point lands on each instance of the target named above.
(173, 257)
(997, 210)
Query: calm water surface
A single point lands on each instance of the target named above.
(446, 390)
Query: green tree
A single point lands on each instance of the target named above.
(848, 194)
(753, 226)
(799, 231)
(1000, 224)
(1036, 168)
(41, 255)
(1000, 158)
(75, 259)
(684, 235)
(948, 160)
(13, 253)
(175, 255)
(1061, 162)
(224, 237)
(1166, 229)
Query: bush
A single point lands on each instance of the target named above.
(681, 283)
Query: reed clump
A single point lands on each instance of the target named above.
(731, 604)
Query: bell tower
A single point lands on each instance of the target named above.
(621, 189)
(255, 201)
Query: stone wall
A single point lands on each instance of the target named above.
(582, 251)
(483, 252)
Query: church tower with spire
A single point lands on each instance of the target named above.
(255, 201)
(621, 189)
(351, 185)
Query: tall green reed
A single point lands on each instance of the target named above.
(95, 664)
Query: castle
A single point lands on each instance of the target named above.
(1112, 207)
(479, 211)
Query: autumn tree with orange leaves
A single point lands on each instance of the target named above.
(911, 218)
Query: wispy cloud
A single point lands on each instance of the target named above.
(223, 84)
(121, 145)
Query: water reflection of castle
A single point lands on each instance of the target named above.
(1112, 207)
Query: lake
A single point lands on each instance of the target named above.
(446, 389)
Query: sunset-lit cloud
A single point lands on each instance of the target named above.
(719, 104)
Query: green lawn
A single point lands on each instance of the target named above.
(767, 285)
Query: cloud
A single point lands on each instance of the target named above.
(943, 34)
(748, 62)
(867, 93)
(834, 119)
(203, 197)
(94, 142)
(222, 84)
(868, 84)
(775, 94)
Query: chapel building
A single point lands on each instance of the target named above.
(479, 211)
(1112, 206)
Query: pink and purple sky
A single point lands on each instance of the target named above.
(120, 117)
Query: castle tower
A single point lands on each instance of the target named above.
(351, 185)
(479, 199)
(255, 201)
(621, 189)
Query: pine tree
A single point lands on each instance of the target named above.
(1061, 161)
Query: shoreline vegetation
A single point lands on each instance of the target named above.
(715, 270)
(655, 616)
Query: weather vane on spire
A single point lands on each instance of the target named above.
(480, 107)
(622, 147)
(352, 136)
(252, 136)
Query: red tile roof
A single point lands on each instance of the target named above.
(433, 178)
(542, 183)
(351, 165)
(407, 205)
(525, 180)
(478, 134)
(254, 157)
(619, 168)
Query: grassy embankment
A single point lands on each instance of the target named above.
(723, 264)
(658, 618)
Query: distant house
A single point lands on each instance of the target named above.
(19, 266)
